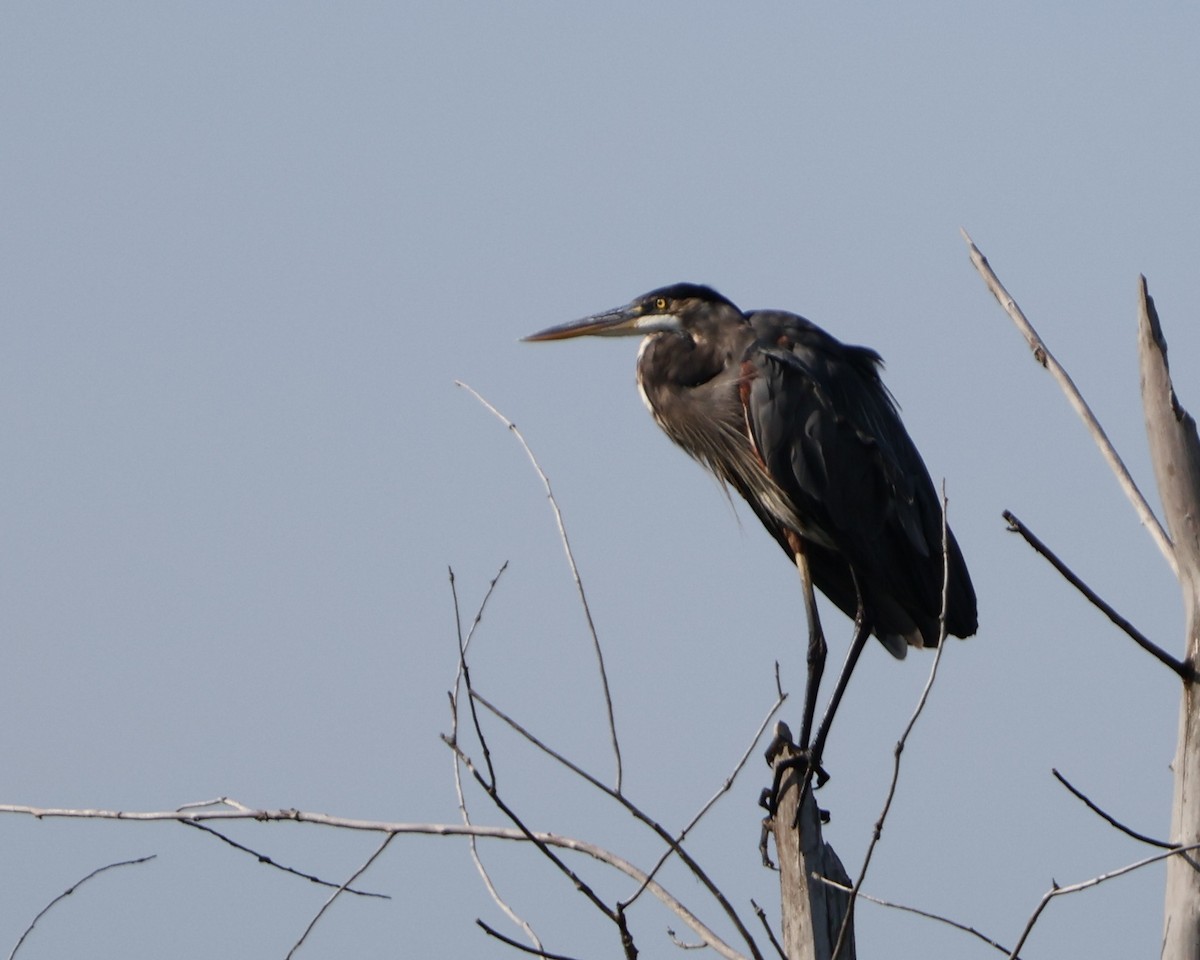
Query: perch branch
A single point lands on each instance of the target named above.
(1043, 356)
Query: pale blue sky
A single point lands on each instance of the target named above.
(247, 248)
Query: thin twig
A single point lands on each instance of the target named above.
(721, 791)
(544, 841)
(1111, 820)
(216, 802)
(70, 890)
(1057, 891)
(762, 916)
(465, 673)
(537, 951)
(338, 892)
(1184, 671)
(489, 785)
(493, 794)
(483, 605)
(1043, 356)
(848, 919)
(562, 533)
(500, 902)
(640, 815)
(683, 944)
(264, 859)
(920, 913)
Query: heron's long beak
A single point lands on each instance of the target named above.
(628, 321)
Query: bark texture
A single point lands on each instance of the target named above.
(812, 912)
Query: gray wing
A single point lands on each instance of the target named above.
(832, 440)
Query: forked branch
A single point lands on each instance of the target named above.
(1042, 354)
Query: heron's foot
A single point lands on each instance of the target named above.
(785, 758)
(807, 766)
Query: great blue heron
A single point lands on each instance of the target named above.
(803, 428)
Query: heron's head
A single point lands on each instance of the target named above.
(681, 307)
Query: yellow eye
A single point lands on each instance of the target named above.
(660, 303)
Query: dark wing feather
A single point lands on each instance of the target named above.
(831, 438)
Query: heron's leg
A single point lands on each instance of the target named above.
(817, 648)
(816, 654)
(862, 630)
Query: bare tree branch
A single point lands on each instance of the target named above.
(1057, 891)
(721, 791)
(562, 533)
(637, 813)
(338, 892)
(516, 944)
(920, 913)
(762, 917)
(616, 915)
(381, 826)
(1184, 671)
(464, 643)
(464, 673)
(267, 861)
(70, 890)
(216, 802)
(683, 944)
(489, 787)
(1113, 821)
(1043, 356)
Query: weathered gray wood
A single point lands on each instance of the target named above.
(812, 912)
(1175, 453)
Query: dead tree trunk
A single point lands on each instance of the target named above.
(812, 912)
(1175, 452)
